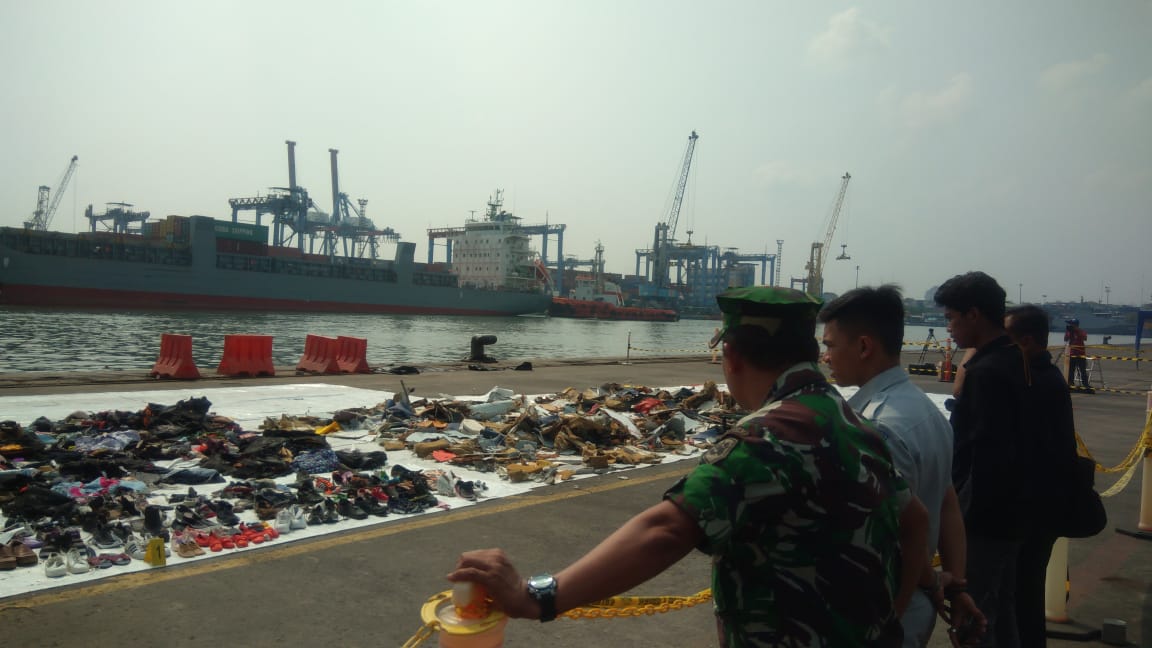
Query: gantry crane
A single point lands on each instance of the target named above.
(42, 217)
(660, 256)
(815, 266)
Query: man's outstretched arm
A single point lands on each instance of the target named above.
(645, 546)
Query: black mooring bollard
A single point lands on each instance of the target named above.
(478, 344)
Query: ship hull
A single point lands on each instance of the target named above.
(53, 274)
(587, 309)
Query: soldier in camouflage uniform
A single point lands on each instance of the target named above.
(799, 506)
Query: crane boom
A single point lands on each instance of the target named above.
(674, 213)
(46, 209)
(818, 256)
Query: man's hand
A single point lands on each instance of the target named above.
(958, 609)
(491, 569)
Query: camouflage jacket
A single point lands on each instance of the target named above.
(799, 506)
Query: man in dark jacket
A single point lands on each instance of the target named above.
(993, 453)
(1049, 408)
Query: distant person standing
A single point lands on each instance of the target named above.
(992, 462)
(1049, 407)
(1077, 358)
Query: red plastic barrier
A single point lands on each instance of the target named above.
(175, 359)
(247, 355)
(319, 355)
(351, 355)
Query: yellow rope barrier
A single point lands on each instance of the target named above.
(614, 607)
(1128, 464)
(634, 606)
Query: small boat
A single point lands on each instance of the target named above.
(603, 300)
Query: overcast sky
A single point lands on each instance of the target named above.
(1011, 137)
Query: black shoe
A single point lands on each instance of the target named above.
(349, 509)
(154, 519)
(317, 515)
(225, 513)
(331, 514)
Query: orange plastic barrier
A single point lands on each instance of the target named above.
(247, 355)
(319, 355)
(175, 359)
(351, 355)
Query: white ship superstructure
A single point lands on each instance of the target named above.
(495, 252)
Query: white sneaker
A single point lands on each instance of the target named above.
(54, 566)
(283, 523)
(299, 518)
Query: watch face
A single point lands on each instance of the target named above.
(543, 581)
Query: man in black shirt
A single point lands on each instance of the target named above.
(991, 466)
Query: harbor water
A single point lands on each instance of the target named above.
(54, 340)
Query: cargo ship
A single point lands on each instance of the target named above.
(201, 263)
(595, 298)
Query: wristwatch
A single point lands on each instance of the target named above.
(542, 587)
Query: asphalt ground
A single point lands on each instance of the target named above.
(365, 587)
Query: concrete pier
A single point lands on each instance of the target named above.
(365, 587)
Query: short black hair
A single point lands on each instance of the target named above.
(1029, 319)
(876, 311)
(790, 345)
(973, 290)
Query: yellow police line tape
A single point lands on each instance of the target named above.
(1128, 465)
(1085, 390)
(1100, 357)
(614, 607)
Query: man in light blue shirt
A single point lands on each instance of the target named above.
(863, 336)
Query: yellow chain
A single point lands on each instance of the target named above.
(634, 606)
(1134, 455)
(617, 606)
(422, 635)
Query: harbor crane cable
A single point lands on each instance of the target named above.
(46, 209)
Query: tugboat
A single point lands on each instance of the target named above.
(596, 298)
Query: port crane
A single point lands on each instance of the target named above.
(45, 210)
(664, 239)
(815, 266)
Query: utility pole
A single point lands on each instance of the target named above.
(1020, 295)
(857, 276)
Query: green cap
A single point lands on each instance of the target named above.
(768, 307)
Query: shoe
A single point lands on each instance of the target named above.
(23, 554)
(331, 514)
(465, 489)
(7, 558)
(372, 506)
(154, 519)
(299, 519)
(186, 546)
(55, 567)
(316, 515)
(349, 509)
(134, 548)
(283, 523)
(76, 562)
(444, 484)
(104, 538)
(226, 513)
(191, 518)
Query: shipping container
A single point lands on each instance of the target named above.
(241, 231)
